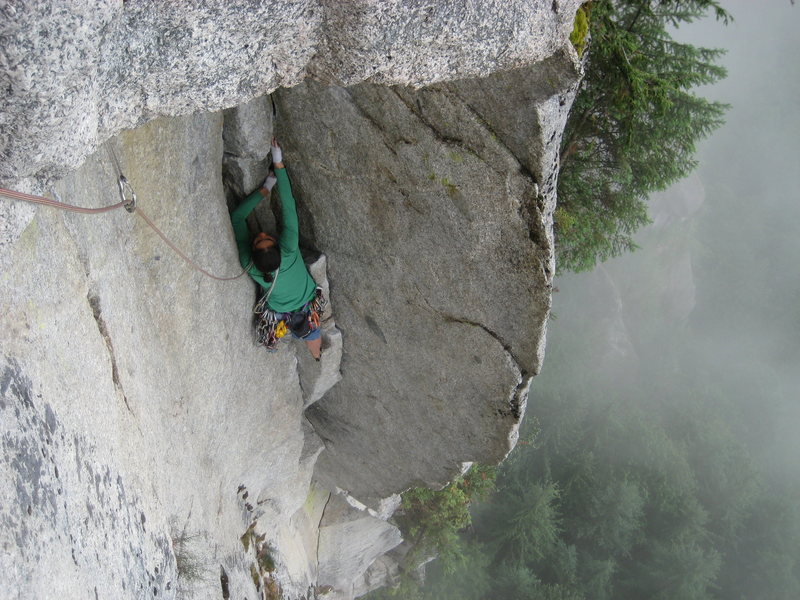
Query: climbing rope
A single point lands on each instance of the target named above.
(57, 204)
(178, 251)
(128, 202)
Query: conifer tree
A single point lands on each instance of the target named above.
(634, 124)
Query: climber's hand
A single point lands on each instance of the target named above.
(269, 182)
(277, 154)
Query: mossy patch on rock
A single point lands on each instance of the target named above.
(580, 31)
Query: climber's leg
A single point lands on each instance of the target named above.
(315, 347)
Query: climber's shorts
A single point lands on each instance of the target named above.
(301, 326)
(314, 334)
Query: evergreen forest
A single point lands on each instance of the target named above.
(635, 123)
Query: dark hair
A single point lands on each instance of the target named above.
(267, 261)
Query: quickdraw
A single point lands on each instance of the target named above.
(315, 309)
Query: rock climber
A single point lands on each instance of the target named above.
(290, 299)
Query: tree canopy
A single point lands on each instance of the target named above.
(634, 123)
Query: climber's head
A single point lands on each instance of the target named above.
(266, 253)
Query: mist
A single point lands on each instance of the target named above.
(713, 293)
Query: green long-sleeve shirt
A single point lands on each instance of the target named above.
(294, 285)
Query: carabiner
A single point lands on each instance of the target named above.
(130, 203)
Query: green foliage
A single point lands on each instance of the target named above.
(469, 580)
(515, 582)
(431, 519)
(677, 568)
(520, 583)
(188, 563)
(580, 30)
(764, 560)
(634, 124)
(523, 524)
(429, 512)
(408, 589)
(614, 517)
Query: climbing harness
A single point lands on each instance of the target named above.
(272, 326)
(128, 202)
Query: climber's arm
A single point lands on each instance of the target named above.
(240, 231)
(290, 232)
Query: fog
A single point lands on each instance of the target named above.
(715, 287)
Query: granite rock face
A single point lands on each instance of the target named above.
(141, 425)
(75, 74)
(136, 406)
(138, 382)
(439, 241)
(350, 541)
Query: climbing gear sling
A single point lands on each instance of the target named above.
(272, 325)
